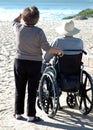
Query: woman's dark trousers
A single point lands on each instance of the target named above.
(27, 74)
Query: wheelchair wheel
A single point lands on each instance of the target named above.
(38, 104)
(71, 100)
(85, 94)
(48, 95)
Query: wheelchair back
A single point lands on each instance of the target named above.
(68, 72)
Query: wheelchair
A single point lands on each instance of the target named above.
(66, 74)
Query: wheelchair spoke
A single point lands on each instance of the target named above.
(88, 89)
(88, 99)
(81, 99)
(85, 82)
(85, 104)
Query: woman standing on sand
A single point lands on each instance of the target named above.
(30, 40)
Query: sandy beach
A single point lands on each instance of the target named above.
(67, 119)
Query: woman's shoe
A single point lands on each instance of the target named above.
(17, 116)
(35, 119)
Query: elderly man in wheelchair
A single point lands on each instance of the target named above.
(66, 74)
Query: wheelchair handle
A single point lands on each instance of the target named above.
(83, 51)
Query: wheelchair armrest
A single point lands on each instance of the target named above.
(84, 52)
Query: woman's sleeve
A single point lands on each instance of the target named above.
(44, 43)
(47, 56)
(16, 25)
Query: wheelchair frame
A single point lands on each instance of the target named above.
(49, 92)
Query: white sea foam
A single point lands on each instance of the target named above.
(49, 9)
(57, 14)
(52, 14)
(9, 14)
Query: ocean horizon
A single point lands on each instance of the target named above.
(49, 9)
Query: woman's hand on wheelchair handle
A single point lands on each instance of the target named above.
(60, 53)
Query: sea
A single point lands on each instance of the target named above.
(49, 9)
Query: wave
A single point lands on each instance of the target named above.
(47, 14)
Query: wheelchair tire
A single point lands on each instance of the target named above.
(38, 104)
(48, 95)
(85, 94)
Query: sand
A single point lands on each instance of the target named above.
(67, 119)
